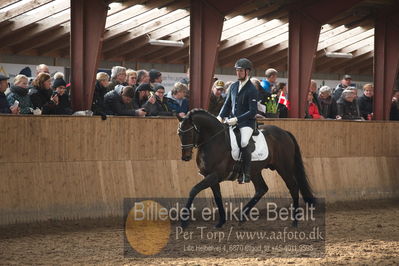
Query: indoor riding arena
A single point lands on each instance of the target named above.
(91, 173)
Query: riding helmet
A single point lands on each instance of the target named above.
(243, 63)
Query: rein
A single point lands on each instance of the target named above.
(194, 145)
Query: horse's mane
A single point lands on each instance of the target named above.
(196, 111)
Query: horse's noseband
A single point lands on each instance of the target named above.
(192, 145)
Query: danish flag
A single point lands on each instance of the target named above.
(284, 100)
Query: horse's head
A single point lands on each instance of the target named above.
(188, 133)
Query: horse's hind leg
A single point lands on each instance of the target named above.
(293, 187)
(219, 203)
(260, 190)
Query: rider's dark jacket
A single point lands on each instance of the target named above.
(241, 104)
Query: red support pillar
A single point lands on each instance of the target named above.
(206, 25)
(87, 27)
(304, 30)
(303, 39)
(386, 62)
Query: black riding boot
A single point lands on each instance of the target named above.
(246, 165)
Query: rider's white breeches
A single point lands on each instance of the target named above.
(246, 134)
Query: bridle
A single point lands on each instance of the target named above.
(196, 130)
(181, 131)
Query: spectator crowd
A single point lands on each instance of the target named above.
(140, 93)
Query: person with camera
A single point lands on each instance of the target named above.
(41, 94)
(160, 106)
(120, 103)
(143, 94)
(60, 97)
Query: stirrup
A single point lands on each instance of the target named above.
(243, 178)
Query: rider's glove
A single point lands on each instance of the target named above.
(220, 119)
(232, 121)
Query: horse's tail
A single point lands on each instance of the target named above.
(300, 174)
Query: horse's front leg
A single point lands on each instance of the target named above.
(209, 181)
(219, 202)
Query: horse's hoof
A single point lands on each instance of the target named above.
(295, 223)
(220, 224)
(241, 222)
(184, 224)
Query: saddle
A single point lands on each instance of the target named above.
(257, 145)
(237, 133)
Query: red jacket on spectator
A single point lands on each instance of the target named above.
(313, 111)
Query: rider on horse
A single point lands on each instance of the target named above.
(241, 107)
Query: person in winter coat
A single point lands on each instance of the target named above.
(160, 106)
(216, 100)
(102, 81)
(116, 103)
(282, 109)
(41, 94)
(345, 83)
(394, 114)
(178, 102)
(143, 94)
(5, 107)
(312, 110)
(118, 77)
(328, 107)
(347, 106)
(63, 105)
(19, 92)
(366, 102)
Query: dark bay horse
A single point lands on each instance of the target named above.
(200, 129)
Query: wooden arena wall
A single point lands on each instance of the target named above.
(78, 167)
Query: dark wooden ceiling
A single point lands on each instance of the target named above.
(258, 30)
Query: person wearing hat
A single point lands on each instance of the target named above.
(160, 106)
(347, 105)
(63, 105)
(216, 101)
(5, 107)
(345, 82)
(328, 107)
(120, 103)
(241, 107)
(142, 95)
(155, 77)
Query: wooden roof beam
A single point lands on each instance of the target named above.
(255, 46)
(6, 3)
(356, 49)
(134, 43)
(254, 33)
(173, 58)
(25, 20)
(147, 14)
(355, 68)
(41, 39)
(342, 65)
(340, 37)
(231, 29)
(326, 63)
(12, 13)
(349, 41)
